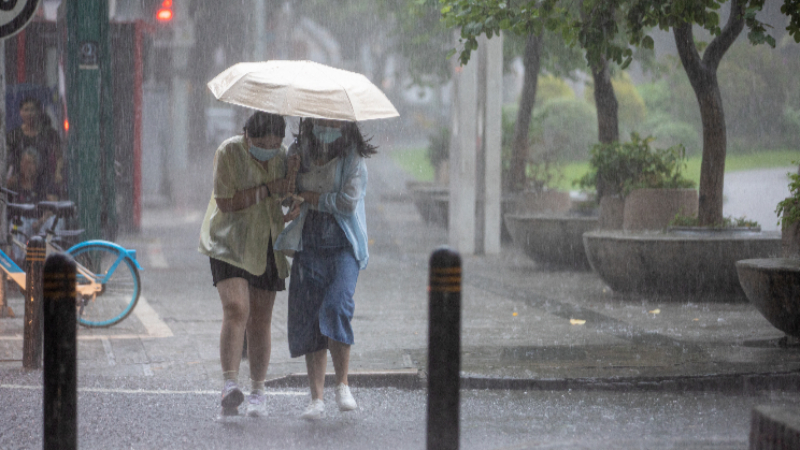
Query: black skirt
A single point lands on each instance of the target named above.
(267, 281)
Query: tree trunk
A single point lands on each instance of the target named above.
(702, 73)
(519, 146)
(606, 104)
(607, 113)
(712, 168)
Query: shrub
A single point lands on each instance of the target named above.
(727, 222)
(439, 146)
(669, 132)
(672, 107)
(754, 82)
(619, 168)
(788, 210)
(567, 129)
(631, 105)
(541, 170)
(549, 88)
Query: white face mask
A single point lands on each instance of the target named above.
(263, 154)
(326, 135)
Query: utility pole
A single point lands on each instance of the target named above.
(182, 40)
(90, 149)
(14, 17)
(5, 310)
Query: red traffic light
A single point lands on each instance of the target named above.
(164, 13)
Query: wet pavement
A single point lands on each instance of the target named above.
(396, 418)
(567, 363)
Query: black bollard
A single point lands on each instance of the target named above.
(60, 354)
(32, 343)
(444, 349)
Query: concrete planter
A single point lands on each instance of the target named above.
(531, 202)
(552, 239)
(773, 286)
(612, 212)
(431, 202)
(790, 240)
(676, 263)
(652, 209)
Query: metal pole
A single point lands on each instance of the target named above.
(60, 354)
(444, 349)
(5, 310)
(86, 49)
(32, 343)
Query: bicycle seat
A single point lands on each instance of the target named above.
(64, 209)
(22, 210)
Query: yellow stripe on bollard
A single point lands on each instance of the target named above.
(56, 285)
(35, 254)
(445, 279)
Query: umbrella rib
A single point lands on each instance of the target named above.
(349, 100)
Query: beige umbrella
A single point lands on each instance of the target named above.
(302, 88)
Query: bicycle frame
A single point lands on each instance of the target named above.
(90, 289)
(104, 269)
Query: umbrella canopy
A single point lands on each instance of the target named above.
(302, 88)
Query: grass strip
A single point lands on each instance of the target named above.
(415, 162)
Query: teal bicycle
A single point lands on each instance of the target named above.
(107, 283)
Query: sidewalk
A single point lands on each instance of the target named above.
(516, 319)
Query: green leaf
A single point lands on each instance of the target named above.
(447, 9)
(648, 43)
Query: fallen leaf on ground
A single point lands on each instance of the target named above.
(576, 322)
(655, 311)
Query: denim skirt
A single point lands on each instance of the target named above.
(321, 288)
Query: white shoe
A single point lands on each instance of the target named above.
(344, 398)
(256, 405)
(314, 411)
(232, 397)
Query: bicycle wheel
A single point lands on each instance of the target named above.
(120, 285)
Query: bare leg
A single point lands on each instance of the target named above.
(340, 354)
(234, 295)
(316, 363)
(259, 326)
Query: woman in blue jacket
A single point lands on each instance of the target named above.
(329, 238)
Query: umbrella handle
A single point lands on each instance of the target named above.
(291, 176)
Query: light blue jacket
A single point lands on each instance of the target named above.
(346, 203)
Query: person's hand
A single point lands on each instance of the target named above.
(279, 187)
(311, 197)
(293, 213)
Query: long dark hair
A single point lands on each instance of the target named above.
(351, 134)
(44, 119)
(262, 124)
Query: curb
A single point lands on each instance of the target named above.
(774, 428)
(413, 379)
(400, 379)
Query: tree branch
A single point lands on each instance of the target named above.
(687, 51)
(717, 48)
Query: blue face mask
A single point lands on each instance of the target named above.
(326, 135)
(263, 154)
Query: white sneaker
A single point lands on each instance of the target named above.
(256, 405)
(314, 411)
(344, 398)
(232, 397)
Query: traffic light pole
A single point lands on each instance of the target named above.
(5, 310)
(90, 150)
